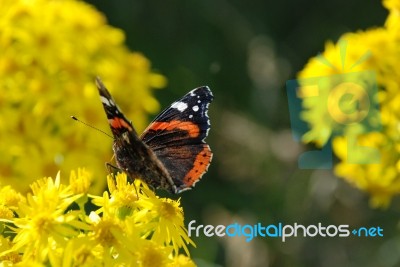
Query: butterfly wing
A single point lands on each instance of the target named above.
(116, 119)
(131, 154)
(177, 137)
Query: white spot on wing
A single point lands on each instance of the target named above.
(190, 116)
(208, 122)
(195, 108)
(181, 106)
(105, 101)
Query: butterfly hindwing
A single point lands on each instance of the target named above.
(177, 136)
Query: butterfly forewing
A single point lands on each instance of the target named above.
(116, 119)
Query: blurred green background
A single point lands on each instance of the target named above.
(246, 51)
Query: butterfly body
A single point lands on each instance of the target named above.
(171, 154)
(137, 160)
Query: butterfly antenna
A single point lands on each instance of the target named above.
(97, 129)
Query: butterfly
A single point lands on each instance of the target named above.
(171, 153)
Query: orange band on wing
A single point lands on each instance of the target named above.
(200, 166)
(120, 123)
(192, 129)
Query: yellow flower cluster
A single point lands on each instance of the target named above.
(131, 227)
(50, 52)
(374, 50)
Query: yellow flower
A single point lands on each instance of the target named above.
(164, 219)
(10, 257)
(182, 261)
(153, 254)
(152, 227)
(5, 213)
(380, 180)
(80, 181)
(42, 222)
(159, 219)
(10, 198)
(123, 197)
(47, 76)
(9, 201)
(342, 58)
(82, 251)
(48, 230)
(123, 194)
(375, 50)
(109, 233)
(392, 5)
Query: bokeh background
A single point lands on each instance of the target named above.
(246, 51)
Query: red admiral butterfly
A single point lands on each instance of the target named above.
(171, 153)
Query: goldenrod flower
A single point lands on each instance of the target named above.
(375, 50)
(50, 53)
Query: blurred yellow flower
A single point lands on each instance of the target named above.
(152, 254)
(380, 180)
(376, 50)
(182, 261)
(50, 53)
(10, 198)
(81, 251)
(9, 258)
(49, 230)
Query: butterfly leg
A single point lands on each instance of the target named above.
(114, 170)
